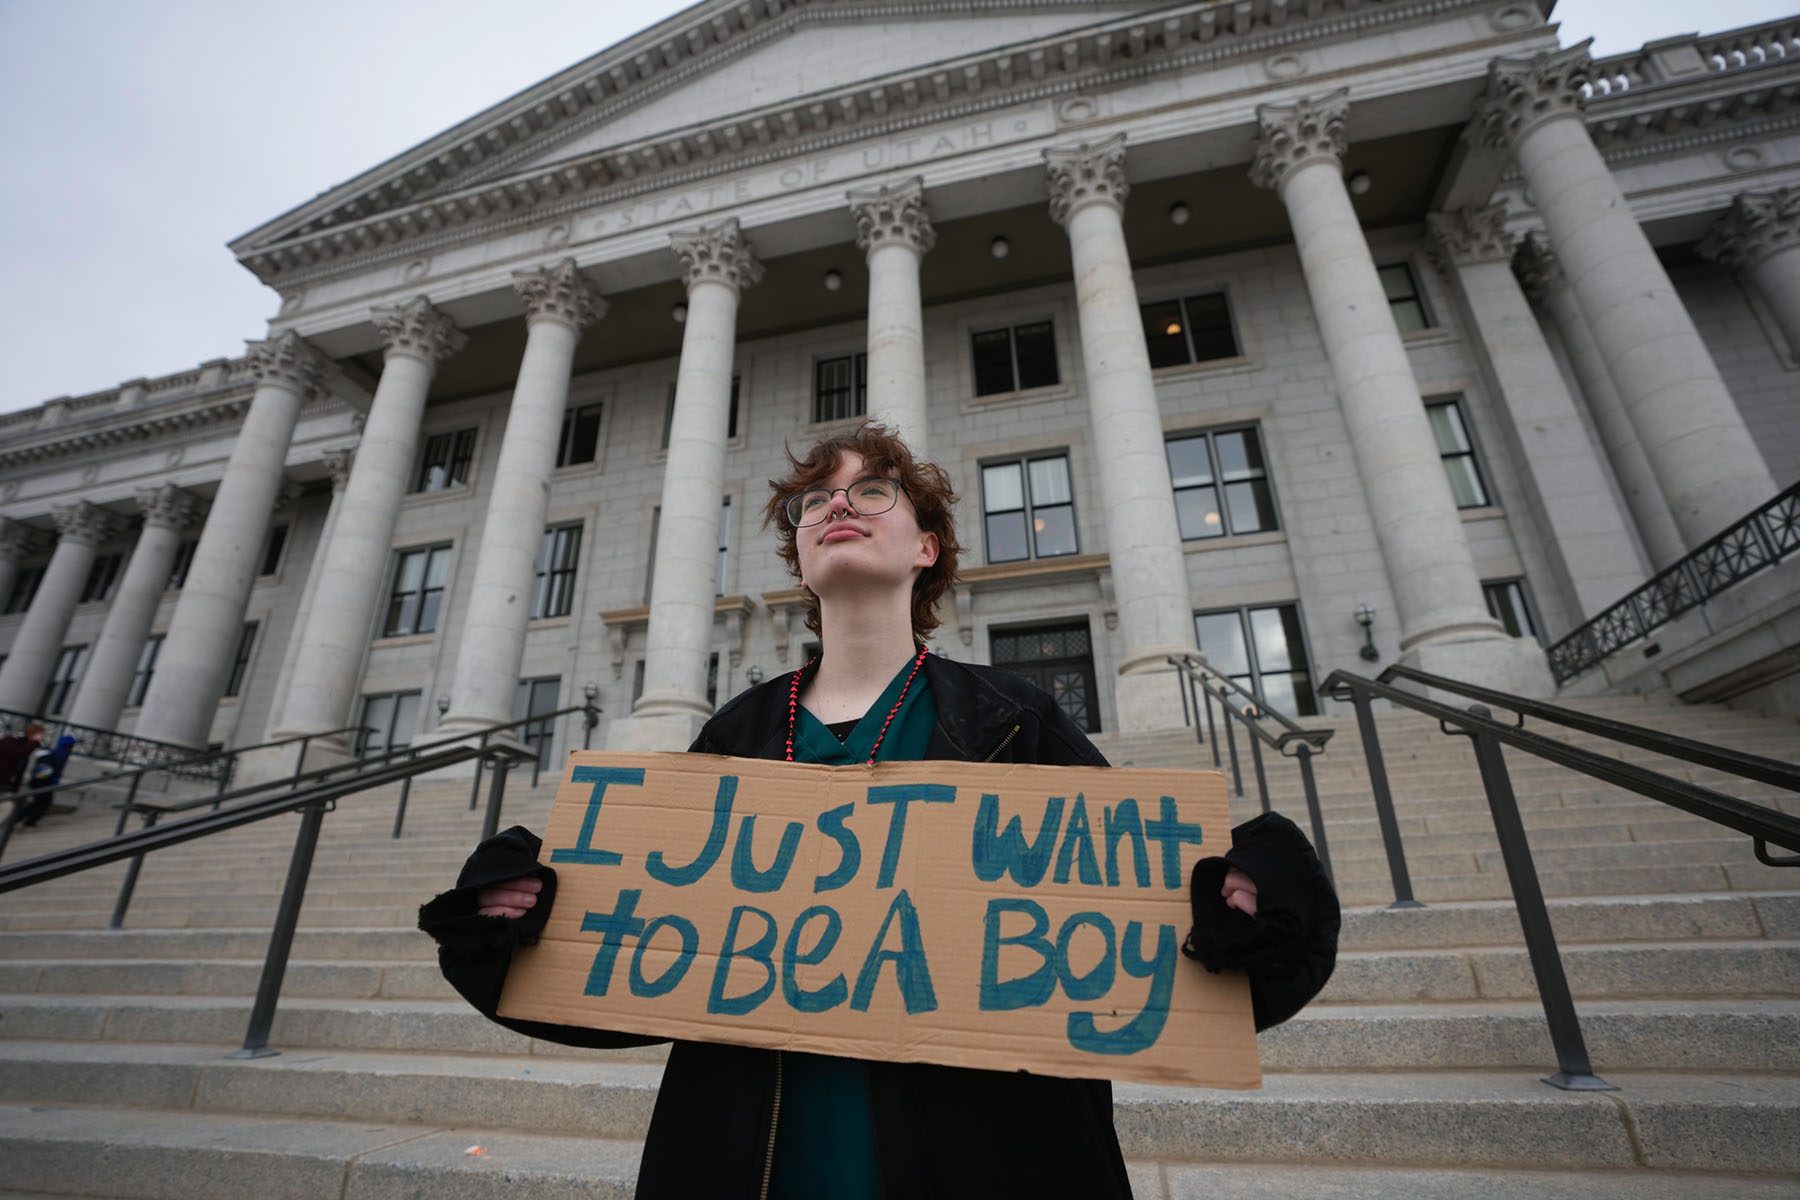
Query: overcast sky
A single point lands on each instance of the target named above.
(138, 136)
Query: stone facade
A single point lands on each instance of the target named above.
(1085, 256)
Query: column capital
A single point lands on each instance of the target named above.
(716, 254)
(1291, 135)
(1091, 173)
(1534, 262)
(86, 523)
(1468, 236)
(559, 292)
(337, 465)
(17, 539)
(1757, 225)
(287, 360)
(1522, 93)
(170, 507)
(418, 329)
(893, 214)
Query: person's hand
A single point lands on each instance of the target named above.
(517, 896)
(1239, 892)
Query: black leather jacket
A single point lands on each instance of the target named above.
(941, 1132)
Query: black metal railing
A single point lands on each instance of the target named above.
(534, 731)
(1762, 539)
(312, 798)
(1764, 825)
(111, 746)
(1201, 686)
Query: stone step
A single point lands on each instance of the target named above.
(1687, 1034)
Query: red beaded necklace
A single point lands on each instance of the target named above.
(794, 702)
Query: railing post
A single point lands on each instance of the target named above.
(1384, 802)
(537, 755)
(1181, 670)
(490, 820)
(281, 938)
(1256, 762)
(11, 819)
(590, 717)
(300, 761)
(400, 809)
(1237, 774)
(1574, 1072)
(1314, 814)
(1212, 730)
(131, 877)
(475, 788)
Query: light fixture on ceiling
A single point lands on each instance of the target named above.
(1000, 247)
(1358, 183)
(1212, 518)
(1178, 213)
(1172, 329)
(679, 312)
(833, 281)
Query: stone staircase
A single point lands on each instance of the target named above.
(1415, 1074)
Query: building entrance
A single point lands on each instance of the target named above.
(1058, 658)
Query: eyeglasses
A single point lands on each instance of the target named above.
(867, 498)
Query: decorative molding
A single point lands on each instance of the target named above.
(170, 507)
(133, 434)
(1291, 135)
(1537, 268)
(1468, 236)
(417, 329)
(1757, 226)
(287, 496)
(19, 540)
(1091, 173)
(621, 622)
(1523, 93)
(784, 606)
(287, 360)
(717, 254)
(86, 523)
(337, 465)
(893, 214)
(559, 292)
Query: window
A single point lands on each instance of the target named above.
(271, 559)
(146, 667)
(840, 387)
(178, 570)
(1059, 659)
(1403, 297)
(446, 460)
(580, 437)
(1506, 601)
(730, 416)
(240, 661)
(1191, 330)
(1012, 360)
(724, 548)
(554, 595)
(100, 577)
(62, 680)
(1028, 509)
(24, 589)
(1200, 464)
(534, 698)
(1458, 453)
(390, 720)
(418, 591)
(1262, 650)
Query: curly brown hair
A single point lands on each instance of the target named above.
(927, 487)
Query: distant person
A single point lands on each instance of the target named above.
(42, 777)
(16, 750)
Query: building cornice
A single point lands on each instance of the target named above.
(1106, 54)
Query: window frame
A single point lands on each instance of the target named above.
(1218, 483)
(858, 393)
(1473, 453)
(1023, 461)
(274, 550)
(565, 438)
(1252, 659)
(1011, 329)
(63, 678)
(395, 594)
(456, 456)
(1490, 591)
(145, 671)
(182, 563)
(104, 571)
(1427, 319)
(24, 589)
(241, 658)
(1187, 329)
(364, 741)
(551, 575)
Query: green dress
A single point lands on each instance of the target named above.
(825, 1136)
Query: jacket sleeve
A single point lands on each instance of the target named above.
(474, 951)
(1290, 946)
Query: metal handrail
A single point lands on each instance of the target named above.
(312, 802)
(1759, 540)
(591, 717)
(1201, 682)
(1762, 824)
(109, 739)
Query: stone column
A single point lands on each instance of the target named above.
(1760, 237)
(169, 513)
(1542, 278)
(17, 540)
(337, 627)
(81, 528)
(717, 264)
(1156, 615)
(894, 230)
(1444, 622)
(195, 660)
(337, 464)
(1709, 469)
(1591, 548)
(559, 303)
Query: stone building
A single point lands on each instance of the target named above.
(1287, 330)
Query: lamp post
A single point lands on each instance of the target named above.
(1365, 616)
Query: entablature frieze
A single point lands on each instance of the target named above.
(1108, 54)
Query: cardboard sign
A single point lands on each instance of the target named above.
(979, 915)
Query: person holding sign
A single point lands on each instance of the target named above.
(868, 531)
